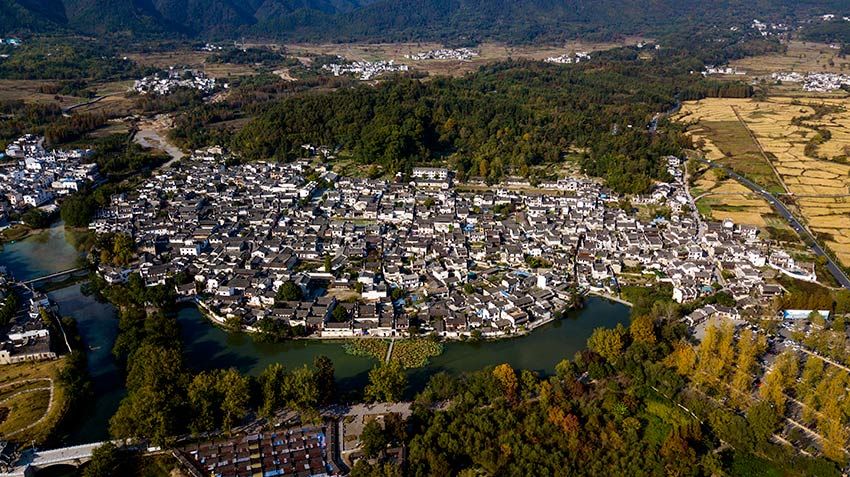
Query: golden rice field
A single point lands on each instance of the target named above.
(722, 199)
(818, 178)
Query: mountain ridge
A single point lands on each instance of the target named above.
(393, 20)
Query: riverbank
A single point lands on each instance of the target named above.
(611, 297)
(460, 336)
(16, 232)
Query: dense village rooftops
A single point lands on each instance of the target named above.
(264, 224)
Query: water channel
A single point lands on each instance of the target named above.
(207, 346)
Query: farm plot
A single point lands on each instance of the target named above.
(721, 199)
(806, 142)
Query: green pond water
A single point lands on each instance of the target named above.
(208, 347)
(50, 251)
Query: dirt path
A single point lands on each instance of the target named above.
(390, 351)
(151, 134)
(25, 381)
(46, 413)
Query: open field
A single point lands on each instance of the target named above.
(193, 59)
(489, 52)
(731, 144)
(30, 401)
(28, 91)
(718, 198)
(801, 57)
(115, 102)
(814, 172)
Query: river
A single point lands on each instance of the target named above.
(207, 346)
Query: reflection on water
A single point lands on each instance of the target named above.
(538, 351)
(43, 253)
(210, 347)
(98, 328)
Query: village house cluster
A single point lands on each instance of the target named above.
(26, 336)
(294, 451)
(770, 29)
(167, 82)
(211, 47)
(36, 176)
(444, 54)
(825, 82)
(830, 17)
(815, 82)
(567, 58)
(13, 42)
(722, 70)
(365, 70)
(413, 252)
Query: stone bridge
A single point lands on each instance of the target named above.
(34, 460)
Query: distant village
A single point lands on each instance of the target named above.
(364, 70)
(13, 42)
(35, 177)
(722, 70)
(567, 58)
(815, 82)
(380, 258)
(167, 82)
(767, 29)
(444, 54)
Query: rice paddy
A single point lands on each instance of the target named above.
(788, 145)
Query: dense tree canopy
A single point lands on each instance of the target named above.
(387, 382)
(503, 120)
(289, 291)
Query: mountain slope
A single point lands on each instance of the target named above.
(34, 15)
(530, 19)
(341, 20)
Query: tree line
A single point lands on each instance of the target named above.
(614, 409)
(63, 59)
(503, 120)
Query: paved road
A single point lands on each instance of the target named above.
(68, 109)
(32, 460)
(801, 230)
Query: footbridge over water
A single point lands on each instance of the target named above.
(58, 276)
(32, 461)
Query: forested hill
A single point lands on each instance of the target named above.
(445, 20)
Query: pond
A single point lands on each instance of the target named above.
(42, 253)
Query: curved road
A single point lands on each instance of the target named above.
(801, 230)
